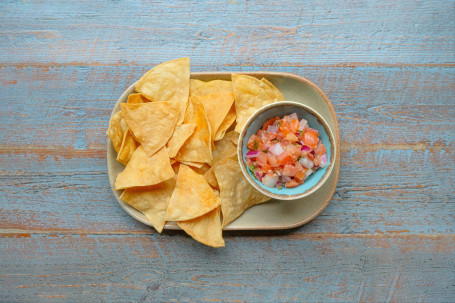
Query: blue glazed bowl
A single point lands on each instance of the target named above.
(315, 120)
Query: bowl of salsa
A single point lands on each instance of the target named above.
(286, 150)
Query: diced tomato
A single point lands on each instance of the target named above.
(270, 122)
(253, 142)
(271, 160)
(249, 162)
(270, 136)
(310, 155)
(291, 137)
(309, 129)
(317, 160)
(261, 159)
(300, 174)
(294, 125)
(292, 184)
(284, 158)
(289, 170)
(310, 139)
(294, 150)
(320, 149)
(299, 166)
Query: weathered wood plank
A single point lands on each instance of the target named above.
(69, 106)
(233, 32)
(379, 191)
(173, 268)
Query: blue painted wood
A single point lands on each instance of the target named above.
(386, 236)
(254, 33)
(281, 268)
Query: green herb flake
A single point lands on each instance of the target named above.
(256, 144)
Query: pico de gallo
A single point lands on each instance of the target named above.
(285, 152)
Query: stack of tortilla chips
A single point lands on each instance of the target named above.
(173, 136)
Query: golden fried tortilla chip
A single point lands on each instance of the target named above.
(205, 229)
(198, 147)
(272, 91)
(127, 149)
(225, 148)
(236, 193)
(143, 170)
(193, 164)
(191, 198)
(234, 137)
(227, 122)
(211, 178)
(137, 98)
(169, 81)
(217, 98)
(251, 94)
(117, 129)
(152, 123)
(181, 134)
(152, 201)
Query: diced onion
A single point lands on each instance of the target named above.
(269, 181)
(252, 154)
(258, 175)
(272, 129)
(323, 161)
(293, 116)
(285, 178)
(306, 162)
(308, 173)
(306, 148)
(276, 149)
(302, 124)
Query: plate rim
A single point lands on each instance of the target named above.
(336, 168)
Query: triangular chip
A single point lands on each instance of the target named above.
(198, 147)
(211, 178)
(217, 98)
(127, 149)
(152, 123)
(234, 137)
(137, 98)
(152, 201)
(117, 129)
(143, 170)
(236, 193)
(250, 95)
(272, 91)
(181, 134)
(227, 122)
(169, 81)
(193, 164)
(191, 198)
(205, 229)
(225, 148)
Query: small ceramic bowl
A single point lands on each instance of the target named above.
(315, 120)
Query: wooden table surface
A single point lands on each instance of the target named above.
(387, 235)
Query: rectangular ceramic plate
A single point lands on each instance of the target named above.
(274, 214)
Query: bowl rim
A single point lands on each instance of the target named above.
(333, 151)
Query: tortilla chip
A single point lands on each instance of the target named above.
(169, 81)
(225, 148)
(236, 193)
(217, 98)
(250, 95)
(205, 229)
(137, 98)
(117, 129)
(191, 198)
(193, 164)
(235, 137)
(152, 201)
(181, 134)
(211, 178)
(152, 123)
(198, 147)
(143, 170)
(127, 149)
(202, 170)
(272, 91)
(227, 122)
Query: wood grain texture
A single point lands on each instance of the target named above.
(69, 106)
(387, 235)
(256, 33)
(68, 191)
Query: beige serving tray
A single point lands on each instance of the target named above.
(274, 214)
